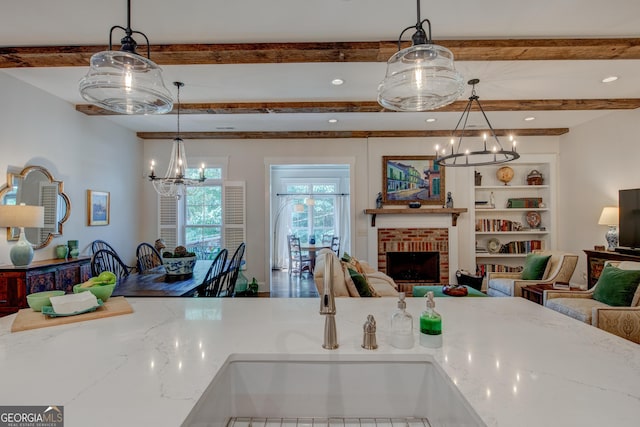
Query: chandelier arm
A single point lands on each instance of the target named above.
(429, 40)
(493, 133)
(147, 40)
(401, 34)
(465, 116)
(111, 35)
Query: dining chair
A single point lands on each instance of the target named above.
(231, 275)
(211, 285)
(96, 245)
(106, 260)
(298, 261)
(147, 257)
(326, 240)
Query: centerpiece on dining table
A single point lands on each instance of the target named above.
(180, 262)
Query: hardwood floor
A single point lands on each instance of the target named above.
(285, 286)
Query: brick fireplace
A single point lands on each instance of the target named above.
(416, 242)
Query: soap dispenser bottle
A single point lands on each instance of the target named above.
(430, 325)
(402, 325)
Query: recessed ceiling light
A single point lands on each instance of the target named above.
(337, 82)
(529, 119)
(431, 120)
(609, 79)
(333, 120)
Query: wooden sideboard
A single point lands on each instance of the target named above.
(596, 260)
(46, 275)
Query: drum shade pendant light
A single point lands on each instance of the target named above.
(462, 154)
(421, 77)
(175, 181)
(125, 82)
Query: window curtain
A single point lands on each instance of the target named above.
(280, 231)
(344, 231)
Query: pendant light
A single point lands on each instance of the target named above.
(175, 181)
(463, 153)
(125, 82)
(421, 77)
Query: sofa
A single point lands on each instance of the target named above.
(559, 268)
(623, 321)
(379, 284)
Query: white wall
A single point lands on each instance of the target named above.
(84, 152)
(597, 159)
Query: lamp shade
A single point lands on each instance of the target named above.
(420, 78)
(126, 83)
(21, 216)
(609, 216)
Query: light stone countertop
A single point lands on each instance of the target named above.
(517, 363)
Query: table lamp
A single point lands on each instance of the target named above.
(21, 216)
(609, 217)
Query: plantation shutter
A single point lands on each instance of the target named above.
(234, 221)
(49, 199)
(168, 220)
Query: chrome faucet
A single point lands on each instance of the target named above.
(328, 306)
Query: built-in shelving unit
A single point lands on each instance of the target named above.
(507, 229)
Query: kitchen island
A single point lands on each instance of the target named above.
(516, 362)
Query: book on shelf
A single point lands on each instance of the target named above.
(524, 202)
(521, 247)
(488, 224)
(483, 269)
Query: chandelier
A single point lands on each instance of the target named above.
(175, 181)
(461, 156)
(421, 77)
(123, 81)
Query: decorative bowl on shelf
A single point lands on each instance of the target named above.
(38, 300)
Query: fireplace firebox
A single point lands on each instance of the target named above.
(414, 267)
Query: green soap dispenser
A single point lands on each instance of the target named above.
(430, 325)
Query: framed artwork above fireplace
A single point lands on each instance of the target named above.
(408, 179)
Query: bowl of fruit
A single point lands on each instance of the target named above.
(101, 286)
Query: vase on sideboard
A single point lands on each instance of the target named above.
(62, 251)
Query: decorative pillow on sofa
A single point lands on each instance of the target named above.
(616, 287)
(355, 264)
(361, 283)
(534, 266)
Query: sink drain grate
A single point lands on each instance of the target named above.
(327, 422)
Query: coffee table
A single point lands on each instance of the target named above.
(420, 291)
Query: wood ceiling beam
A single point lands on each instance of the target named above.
(378, 51)
(348, 134)
(312, 107)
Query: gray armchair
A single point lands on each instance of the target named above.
(560, 268)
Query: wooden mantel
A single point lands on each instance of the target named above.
(454, 212)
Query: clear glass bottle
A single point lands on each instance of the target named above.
(430, 325)
(402, 325)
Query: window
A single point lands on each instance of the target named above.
(319, 216)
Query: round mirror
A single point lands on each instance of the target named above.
(36, 186)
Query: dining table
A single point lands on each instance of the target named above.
(312, 250)
(157, 283)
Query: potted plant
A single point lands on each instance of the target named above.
(180, 262)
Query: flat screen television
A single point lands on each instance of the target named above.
(629, 224)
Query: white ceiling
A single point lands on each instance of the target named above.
(87, 22)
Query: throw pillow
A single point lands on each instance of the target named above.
(355, 264)
(534, 266)
(361, 283)
(616, 287)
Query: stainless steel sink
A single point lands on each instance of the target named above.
(336, 390)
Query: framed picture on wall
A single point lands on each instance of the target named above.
(408, 179)
(98, 207)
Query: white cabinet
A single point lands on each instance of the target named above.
(512, 220)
